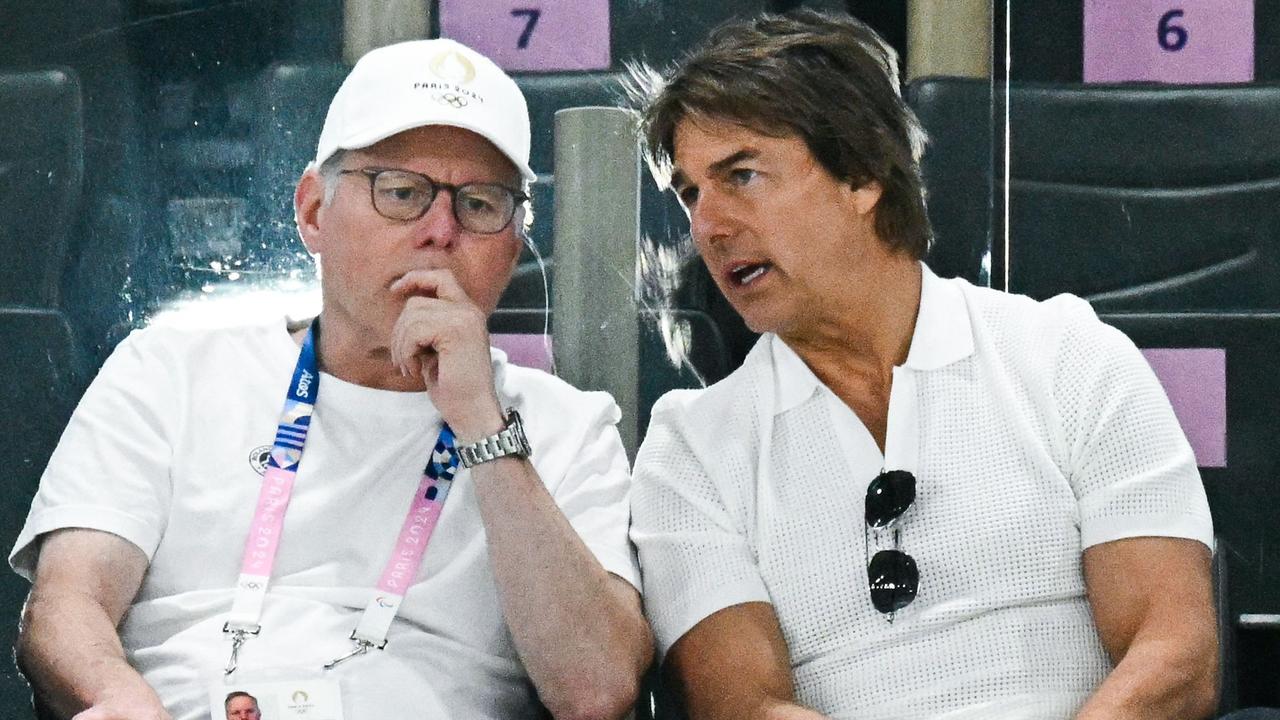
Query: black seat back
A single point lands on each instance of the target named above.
(41, 174)
(957, 171)
(1136, 197)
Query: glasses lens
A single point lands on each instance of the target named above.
(484, 208)
(401, 195)
(894, 580)
(888, 496)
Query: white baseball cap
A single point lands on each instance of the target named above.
(427, 82)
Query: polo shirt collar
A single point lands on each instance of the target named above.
(943, 335)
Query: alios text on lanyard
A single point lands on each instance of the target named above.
(268, 521)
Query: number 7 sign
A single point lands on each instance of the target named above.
(532, 35)
(1173, 41)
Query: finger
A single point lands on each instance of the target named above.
(429, 369)
(419, 332)
(411, 345)
(439, 283)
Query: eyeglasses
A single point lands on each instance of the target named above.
(892, 574)
(483, 208)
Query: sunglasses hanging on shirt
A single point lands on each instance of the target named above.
(892, 574)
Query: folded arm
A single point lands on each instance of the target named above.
(578, 629)
(68, 645)
(734, 665)
(1152, 600)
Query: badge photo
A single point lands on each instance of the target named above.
(306, 698)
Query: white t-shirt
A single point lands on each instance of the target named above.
(1034, 431)
(161, 452)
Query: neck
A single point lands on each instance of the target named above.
(358, 356)
(864, 325)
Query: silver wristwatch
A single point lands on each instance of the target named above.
(509, 441)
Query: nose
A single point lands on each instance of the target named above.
(438, 227)
(709, 219)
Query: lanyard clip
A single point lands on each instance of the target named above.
(362, 646)
(238, 638)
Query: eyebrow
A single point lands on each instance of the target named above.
(718, 167)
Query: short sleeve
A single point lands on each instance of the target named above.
(594, 495)
(1132, 470)
(110, 470)
(694, 554)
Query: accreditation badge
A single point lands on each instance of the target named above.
(276, 696)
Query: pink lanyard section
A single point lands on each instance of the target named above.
(267, 524)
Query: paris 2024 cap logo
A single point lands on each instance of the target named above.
(456, 71)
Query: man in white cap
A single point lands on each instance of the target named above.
(177, 553)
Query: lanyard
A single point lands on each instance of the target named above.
(273, 499)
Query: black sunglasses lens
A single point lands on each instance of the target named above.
(889, 495)
(894, 580)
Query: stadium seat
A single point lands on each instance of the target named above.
(41, 172)
(289, 108)
(41, 374)
(116, 229)
(957, 171)
(660, 31)
(1136, 197)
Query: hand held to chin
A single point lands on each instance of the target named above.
(441, 337)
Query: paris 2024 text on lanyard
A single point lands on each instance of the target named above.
(268, 521)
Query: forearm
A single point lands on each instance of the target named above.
(740, 701)
(583, 644)
(748, 706)
(1159, 678)
(70, 651)
(791, 711)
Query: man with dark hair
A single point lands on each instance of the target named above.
(240, 705)
(846, 108)
(917, 498)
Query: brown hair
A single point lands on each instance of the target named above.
(828, 79)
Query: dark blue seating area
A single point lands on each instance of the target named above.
(1136, 197)
(41, 368)
(41, 168)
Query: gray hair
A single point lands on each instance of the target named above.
(331, 173)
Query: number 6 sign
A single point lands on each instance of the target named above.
(1173, 41)
(536, 35)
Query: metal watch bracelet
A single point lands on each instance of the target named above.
(508, 441)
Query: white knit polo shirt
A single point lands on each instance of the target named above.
(1034, 431)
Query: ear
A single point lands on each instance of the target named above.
(308, 208)
(866, 197)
